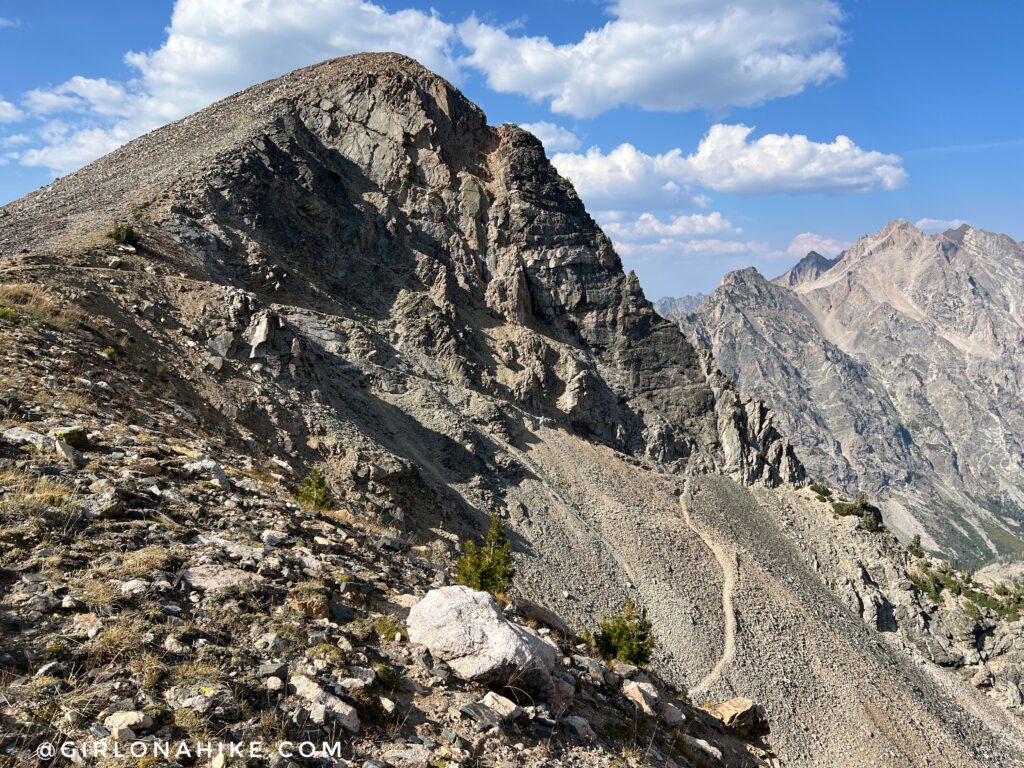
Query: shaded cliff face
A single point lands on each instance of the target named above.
(898, 371)
(363, 213)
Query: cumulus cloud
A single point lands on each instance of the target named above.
(647, 226)
(214, 48)
(938, 225)
(628, 179)
(9, 113)
(679, 240)
(65, 147)
(806, 242)
(727, 161)
(708, 247)
(81, 94)
(554, 137)
(668, 55)
(14, 140)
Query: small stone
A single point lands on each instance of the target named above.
(742, 717)
(408, 756)
(505, 709)
(213, 578)
(273, 669)
(644, 695)
(703, 746)
(581, 727)
(73, 457)
(273, 538)
(76, 436)
(672, 715)
(53, 669)
(134, 587)
(324, 703)
(135, 720)
(22, 436)
(623, 669)
(122, 733)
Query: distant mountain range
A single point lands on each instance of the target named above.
(895, 368)
(684, 305)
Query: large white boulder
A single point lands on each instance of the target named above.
(466, 629)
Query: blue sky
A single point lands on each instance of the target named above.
(704, 135)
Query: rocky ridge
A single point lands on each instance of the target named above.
(896, 370)
(684, 305)
(159, 587)
(346, 269)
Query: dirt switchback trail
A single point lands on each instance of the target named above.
(727, 561)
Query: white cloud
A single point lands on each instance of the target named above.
(216, 47)
(668, 55)
(628, 179)
(14, 140)
(9, 113)
(702, 248)
(81, 94)
(649, 239)
(9, 23)
(647, 226)
(938, 225)
(806, 242)
(65, 148)
(555, 138)
(726, 161)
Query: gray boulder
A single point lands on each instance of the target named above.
(466, 629)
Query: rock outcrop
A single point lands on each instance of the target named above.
(465, 629)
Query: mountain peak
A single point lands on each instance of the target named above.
(809, 268)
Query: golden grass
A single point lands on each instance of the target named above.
(120, 638)
(25, 301)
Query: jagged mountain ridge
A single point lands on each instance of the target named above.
(896, 370)
(683, 305)
(809, 268)
(349, 268)
(502, 239)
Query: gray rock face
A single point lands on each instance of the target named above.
(443, 242)
(464, 628)
(808, 269)
(896, 370)
(684, 305)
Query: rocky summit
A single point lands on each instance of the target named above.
(268, 369)
(896, 370)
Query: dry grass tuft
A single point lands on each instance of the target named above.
(25, 301)
(120, 639)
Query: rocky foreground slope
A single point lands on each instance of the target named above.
(346, 269)
(897, 370)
